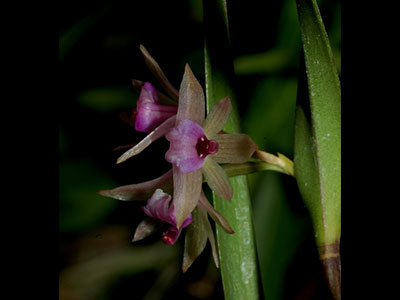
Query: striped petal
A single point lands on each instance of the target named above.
(233, 148)
(210, 234)
(195, 240)
(151, 137)
(187, 188)
(141, 191)
(217, 179)
(217, 117)
(162, 98)
(146, 228)
(191, 99)
(158, 73)
(149, 112)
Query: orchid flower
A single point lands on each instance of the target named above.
(197, 146)
(147, 190)
(199, 231)
(158, 207)
(150, 115)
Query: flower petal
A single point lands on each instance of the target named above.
(182, 151)
(217, 117)
(195, 240)
(141, 191)
(217, 179)
(215, 215)
(157, 207)
(233, 148)
(148, 93)
(210, 234)
(191, 99)
(158, 73)
(187, 188)
(145, 228)
(162, 98)
(151, 137)
(150, 115)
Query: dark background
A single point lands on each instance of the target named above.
(98, 56)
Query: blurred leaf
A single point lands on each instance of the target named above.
(288, 37)
(269, 120)
(80, 206)
(274, 60)
(72, 36)
(279, 232)
(270, 116)
(283, 55)
(91, 279)
(237, 251)
(108, 98)
(196, 10)
(318, 139)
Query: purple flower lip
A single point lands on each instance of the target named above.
(183, 146)
(189, 146)
(205, 147)
(171, 235)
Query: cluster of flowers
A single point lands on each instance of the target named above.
(197, 146)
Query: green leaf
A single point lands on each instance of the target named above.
(236, 251)
(317, 152)
(105, 99)
(81, 208)
(319, 133)
(73, 35)
(279, 232)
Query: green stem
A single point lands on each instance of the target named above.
(237, 251)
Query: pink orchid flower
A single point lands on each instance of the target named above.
(158, 207)
(197, 146)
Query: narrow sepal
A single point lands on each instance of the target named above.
(158, 73)
(195, 240)
(234, 148)
(187, 188)
(191, 99)
(146, 228)
(217, 179)
(210, 234)
(151, 137)
(215, 215)
(141, 191)
(217, 117)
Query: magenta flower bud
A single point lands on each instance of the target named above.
(158, 207)
(149, 113)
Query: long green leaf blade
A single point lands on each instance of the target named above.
(237, 251)
(317, 153)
